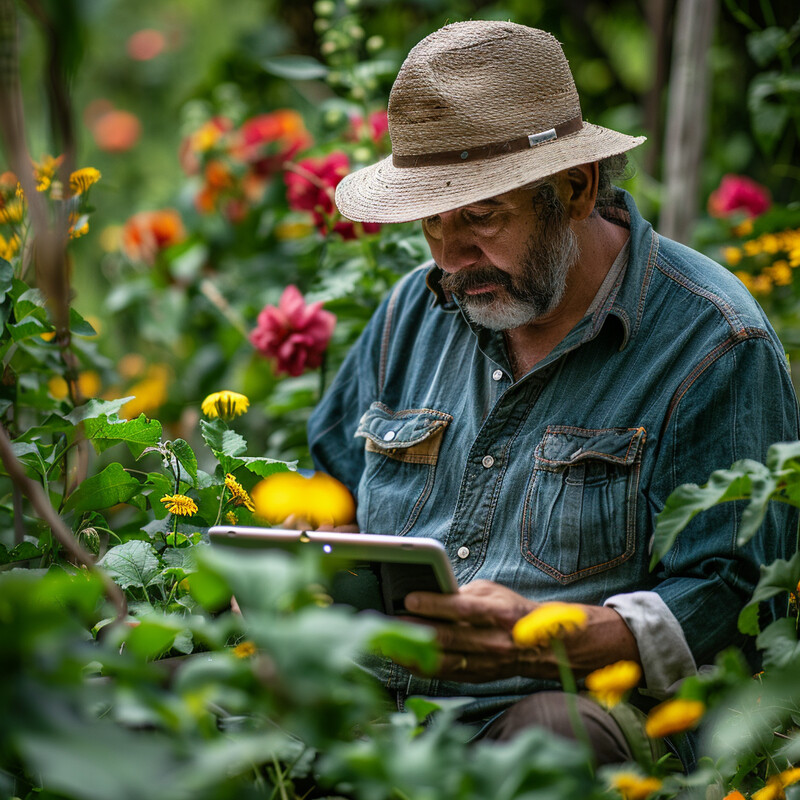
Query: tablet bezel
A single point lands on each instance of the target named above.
(353, 547)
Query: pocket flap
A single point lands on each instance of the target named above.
(390, 430)
(562, 446)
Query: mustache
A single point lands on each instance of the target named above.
(458, 283)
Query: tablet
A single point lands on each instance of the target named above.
(377, 571)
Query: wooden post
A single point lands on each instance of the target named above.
(687, 114)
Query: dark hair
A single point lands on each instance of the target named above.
(611, 169)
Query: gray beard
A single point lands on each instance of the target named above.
(534, 294)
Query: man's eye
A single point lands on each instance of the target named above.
(478, 217)
(432, 225)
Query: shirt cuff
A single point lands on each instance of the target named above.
(663, 649)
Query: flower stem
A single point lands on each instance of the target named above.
(571, 690)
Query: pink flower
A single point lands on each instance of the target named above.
(310, 187)
(377, 126)
(293, 333)
(738, 193)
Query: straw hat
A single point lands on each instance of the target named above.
(478, 108)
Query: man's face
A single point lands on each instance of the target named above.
(507, 258)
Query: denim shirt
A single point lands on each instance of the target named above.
(550, 484)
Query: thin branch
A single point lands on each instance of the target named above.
(41, 505)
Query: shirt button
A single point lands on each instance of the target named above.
(497, 375)
(463, 552)
(388, 436)
(487, 461)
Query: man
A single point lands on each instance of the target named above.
(532, 396)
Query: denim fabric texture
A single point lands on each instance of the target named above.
(551, 484)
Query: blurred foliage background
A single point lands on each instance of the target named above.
(145, 77)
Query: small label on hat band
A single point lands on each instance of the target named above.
(544, 136)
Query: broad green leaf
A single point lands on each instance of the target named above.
(409, 645)
(31, 301)
(133, 563)
(690, 499)
(28, 453)
(80, 326)
(298, 68)
(96, 408)
(263, 466)
(139, 433)
(764, 45)
(6, 278)
(186, 457)
(779, 576)
(152, 637)
(783, 455)
(113, 485)
(779, 644)
(30, 326)
(421, 707)
(222, 439)
(768, 115)
(24, 551)
(762, 487)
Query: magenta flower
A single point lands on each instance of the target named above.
(293, 333)
(311, 188)
(738, 193)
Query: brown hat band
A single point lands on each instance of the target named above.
(488, 150)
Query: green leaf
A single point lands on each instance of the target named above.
(96, 408)
(779, 643)
(31, 301)
(763, 46)
(113, 485)
(30, 326)
(222, 439)
(409, 645)
(298, 68)
(28, 453)
(24, 551)
(779, 576)
(768, 115)
(421, 707)
(134, 563)
(152, 638)
(6, 278)
(186, 457)
(690, 499)
(262, 466)
(137, 433)
(79, 326)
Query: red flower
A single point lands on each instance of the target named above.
(116, 131)
(147, 233)
(293, 333)
(146, 44)
(377, 126)
(311, 187)
(738, 193)
(266, 141)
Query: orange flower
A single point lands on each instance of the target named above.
(147, 233)
(116, 131)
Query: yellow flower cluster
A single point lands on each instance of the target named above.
(245, 649)
(776, 784)
(633, 786)
(775, 255)
(609, 684)
(239, 496)
(180, 505)
(548, 621)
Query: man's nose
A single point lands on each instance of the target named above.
(456, 247)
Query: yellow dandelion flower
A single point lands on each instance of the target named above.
(238, 494)
(180, 505)
(773, 790)
(12, 213)
(609, 684)
(548, 621)
(245, 649)
(44, 171)
(231, 518)
(673, 716)
(78, 225)
(286, 231)
(150, 393)
(735, 794)
(762, 284)
(744, 228)
(57, 387)
(226, 405)
(752, 247)
(790, 776)
(746, 278)
(634, 787)
(770, 243)
(732, 255)
(82, 179)
(780, 273)
(9, 247)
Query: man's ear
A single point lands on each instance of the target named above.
(583, 183)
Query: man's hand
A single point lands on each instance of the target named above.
(473, 629)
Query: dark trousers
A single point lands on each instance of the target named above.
(549, 710)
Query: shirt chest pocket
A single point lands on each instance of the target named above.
(579, 515)
(401, 450)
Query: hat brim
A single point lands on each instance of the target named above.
(385, 193)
